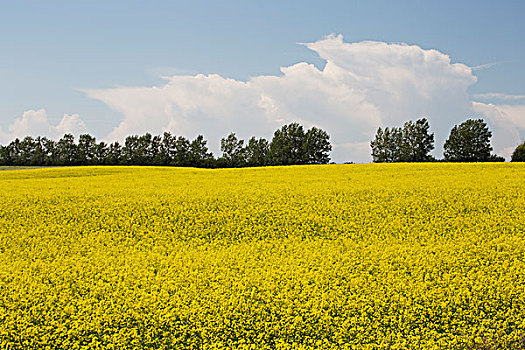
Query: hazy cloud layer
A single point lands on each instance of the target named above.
(36, 123)
(491, 96)
(363, 85)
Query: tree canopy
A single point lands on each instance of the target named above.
(233, 152)
(287, 145)
(519, 154)
(469, 142)
(292, 145)
(316, 146)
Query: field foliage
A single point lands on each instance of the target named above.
(336, 256)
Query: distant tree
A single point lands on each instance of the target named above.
(130, 150)
(15, 152)
(468, 142)
(198, 152)
(519, 154)
(256, 152)
(4, 155)
(380, 152)
(411, 143)
(386, 145)
(233, 152)
(40, 155)
(145, 150)
(139, 150)
(495, 158)
(287, 145)
(86, 149)
(49, 148)
(27, 151)
(114, 154)
(156, 151)
(182, 152)
(168, 149)
(316, 146)
(100, 154)
(416, 141)
(66, 150)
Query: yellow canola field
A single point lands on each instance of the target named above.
(370, 256)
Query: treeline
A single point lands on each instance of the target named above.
(291, 144)
(467, 142)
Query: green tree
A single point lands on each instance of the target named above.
(198, 152)
(233, 151)
(49, 148)
(317, 146)
(130, 153)
(145, 150)
(101, 153)
(411, 143)
(182, 152)
(4, 155)
(287, 145)
(378, 145)
(416, 141)
(27, 151)
(468, 142)
(168, 149)
(256, 152)
(86, 149)
(40, 155)
(66, 150)
(139, 150)
(386, 145)
(156, 154)
(519, 154)
(15, 152)
(114, 154)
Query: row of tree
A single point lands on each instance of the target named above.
(467, 142)
(291, 144)
(411, 143)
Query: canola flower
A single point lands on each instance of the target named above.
(370, 256)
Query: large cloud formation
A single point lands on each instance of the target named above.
(363, 85)
(36, 123)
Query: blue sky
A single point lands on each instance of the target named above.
(53, 51)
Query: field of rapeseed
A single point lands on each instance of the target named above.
(337, 256)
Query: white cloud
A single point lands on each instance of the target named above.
(36, 123)
(363, 85)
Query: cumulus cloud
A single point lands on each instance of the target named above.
(36, 123)
(363, 85)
